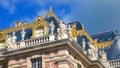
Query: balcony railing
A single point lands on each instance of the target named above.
(114, 63)
(33, 41)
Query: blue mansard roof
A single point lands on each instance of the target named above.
(103, 37)
(78, 25)
(114, 51)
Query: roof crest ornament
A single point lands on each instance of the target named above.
(50, 8)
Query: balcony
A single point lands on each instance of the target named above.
(35, 41)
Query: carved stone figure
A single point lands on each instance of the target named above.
(93, 52)
(8, 42)
(69, 29)
(59, 33)
(52, 26)
(83, 43)
(103, 58)
(23, 33)
(90, 53)
(103, 55)
(62, 31)
(13, 37)
(19, 23)
(63, 27)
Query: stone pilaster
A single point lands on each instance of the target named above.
(29, 65)
(62, 51)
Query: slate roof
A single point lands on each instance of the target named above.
(113, 53)
(103, 37)
(78, 25)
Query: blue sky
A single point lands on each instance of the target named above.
(96, 15)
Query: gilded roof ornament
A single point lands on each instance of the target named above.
(1, 33)
(39, 18)
(19, 23)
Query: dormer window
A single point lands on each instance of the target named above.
(18, 23)
(101, 40)
(39, 32)
(109, 38)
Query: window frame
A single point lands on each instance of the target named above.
(36, 60)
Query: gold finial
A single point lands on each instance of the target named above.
(39, 18)
(1, 33)
(74, 25)
(50, 8)
(82, 26)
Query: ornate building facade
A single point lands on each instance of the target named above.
(51, 43)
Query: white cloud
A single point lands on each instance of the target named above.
(42, 13)
(25, 20)
(28, 19)
(9, 5)
(66, 18)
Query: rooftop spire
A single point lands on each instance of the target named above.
(50, 8)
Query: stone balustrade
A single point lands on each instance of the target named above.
(34, 41)
(114, 63)
(18, 45)
(37, 41)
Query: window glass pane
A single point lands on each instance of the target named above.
(37, 63)
(34, 64)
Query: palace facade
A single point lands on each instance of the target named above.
(50, 43)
